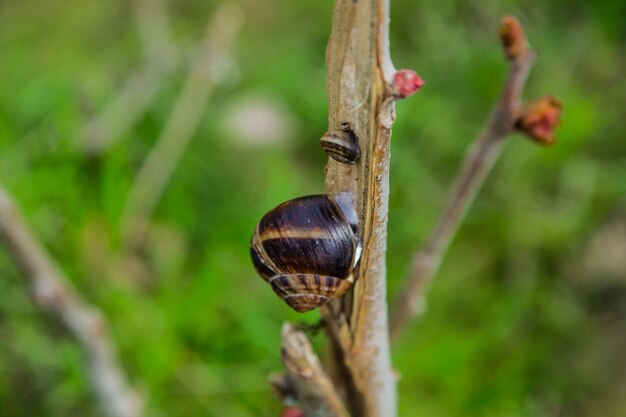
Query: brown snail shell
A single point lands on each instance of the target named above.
(307, 249)
(341, 145)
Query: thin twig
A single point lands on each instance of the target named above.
(179, 129)
(307, 380)
(142, 86)
(54, 295)
(484, 153)
(154, 29)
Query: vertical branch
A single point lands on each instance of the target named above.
(54, 295)
(359, 94)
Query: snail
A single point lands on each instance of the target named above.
(341, 145)
(307, 248)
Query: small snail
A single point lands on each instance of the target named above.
(341, 145)
(307, 249)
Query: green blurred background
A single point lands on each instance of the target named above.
(528, 315)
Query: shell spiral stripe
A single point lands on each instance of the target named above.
(304, 292)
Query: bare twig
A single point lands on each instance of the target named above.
(53, 294)
(153, 176)
(478, 164)
(154, 30)
(142, 86)
(306, 378)
(359, 75)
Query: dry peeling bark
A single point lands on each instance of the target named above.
(359, 70)
(360, 96)
(362, 86)
(305, 375)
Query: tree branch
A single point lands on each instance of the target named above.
(359, 94)
(306, 378)
(142, 86)
(54, 295)
(182, 124)
(154, 29)
(478, 164)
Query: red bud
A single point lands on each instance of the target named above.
(292, 412)
(540, 118)
(405, 83)
(513, 38)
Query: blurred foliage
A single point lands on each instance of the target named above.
(528, 315)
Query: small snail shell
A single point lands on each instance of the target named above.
(341, 145)
(307, 249)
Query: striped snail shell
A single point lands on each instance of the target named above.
(341, 145)
(307, 249)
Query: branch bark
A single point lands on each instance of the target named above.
(488, 146)
(359, 93)
(54, 295)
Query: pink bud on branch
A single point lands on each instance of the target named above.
(405, 83)
(540, 118)
(292, 412)
(513, 38)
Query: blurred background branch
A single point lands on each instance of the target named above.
(212, 63)
(481, 158)
(153, 23)
(55, 296)
(137, 94)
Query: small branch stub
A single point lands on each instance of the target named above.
(306, 379)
